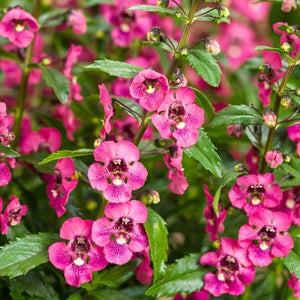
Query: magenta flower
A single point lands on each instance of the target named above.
(294, 284)
(234, 269)
(288, 5)
(61, 184)
(5, 135)
(252, 159)
(149, 87)
(12, 215)
(144, 272)
(119, 172)
(106, 101)
(77, 20)
(123, 235)
(197, 295)
(19, 27)
(294, 134)
(267, 231)
(214, 223)
(179, 117)
(252, 192)
(5, 174)
(79, 258)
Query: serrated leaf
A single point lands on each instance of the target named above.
(154, 8)
(292, 262)
(113, 277)
(9, 56)
(89, 3)
(8, 152)
(203, 101)
(114, 68)
(26, 253)
(66, 153)
(58, 82)
(184, 276)
(135, 109)
(205, 66)
(158, 239)
(290, 170)
(227, 176)
(204, 152)
(237, 114)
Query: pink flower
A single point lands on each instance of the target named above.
(214, 223)
(294, 284)
(173, 162)
(143, 272)
(236, 131)
(5, 135)
(294, 134)
(179, 117)
(288, 5)
(61, 184)
(79, 258)
(77, 20)
(257, 190)
(149, 87)
(274, 158)
(124, 234)
(106, 101)
(234, 269)
(5, 174)
(119, 172)
(267, 231)
(252, 159)
(12, 215)
(19, 27)
(197, 295)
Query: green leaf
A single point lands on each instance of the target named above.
(208, 15)
(162, 45)
(89, 3)
(205, 66)
(26, 253)
(154, 8)
(277, 1)
(227, 176)
(66, 153)
(290, 170)
(114, 68)
(158, 239)
(292, 262)
(278, 50)
(184, 276)
(203, 101)
(58, 82)
(53, 17)
(112, 277)
(110, 294)
(9, 56)
(8, 152)
(204, 152)
(237, 114)
(135, 109)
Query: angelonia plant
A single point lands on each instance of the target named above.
(150, 149)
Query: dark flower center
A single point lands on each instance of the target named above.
(267, 233)
(128, 16)
(13, 215)
(256, 190)
(19, 25)
(150, 85)
(176, 112)
(124, 225)
(117, 167)
(229, 264)
(80, 245)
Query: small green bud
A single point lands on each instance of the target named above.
(297, 91)
(286, 158)
(286, 47)
(266, 69)
(163, 3)
(239, 168)
(97, 142)
(154, 34)
(183, 52)
(223, 12)
(290, 30)
(285, 101)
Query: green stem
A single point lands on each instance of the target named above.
(102, 208)
(24, 81)
(142, 129)
(276, 110)
(183, 38)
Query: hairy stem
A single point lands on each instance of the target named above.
(272, 130)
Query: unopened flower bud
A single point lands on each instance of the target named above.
(286, 158)
(235, 130)
(274, 158)
(288, 5)
(285, 101)
(290, 30)
(160, 143)
(297, 91)
(163, 3)
(216, 244)
(266, 69)
(46, 61)
(212, 46)
(269, 117)
(239, 168)
(91, 204)
(77, 175)
(154, 34)
(223, 12)
(261, 78)
(178, 78)
(151, 197)
(173, 151)
(97, 142)
(183, 52)
(286, 47)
